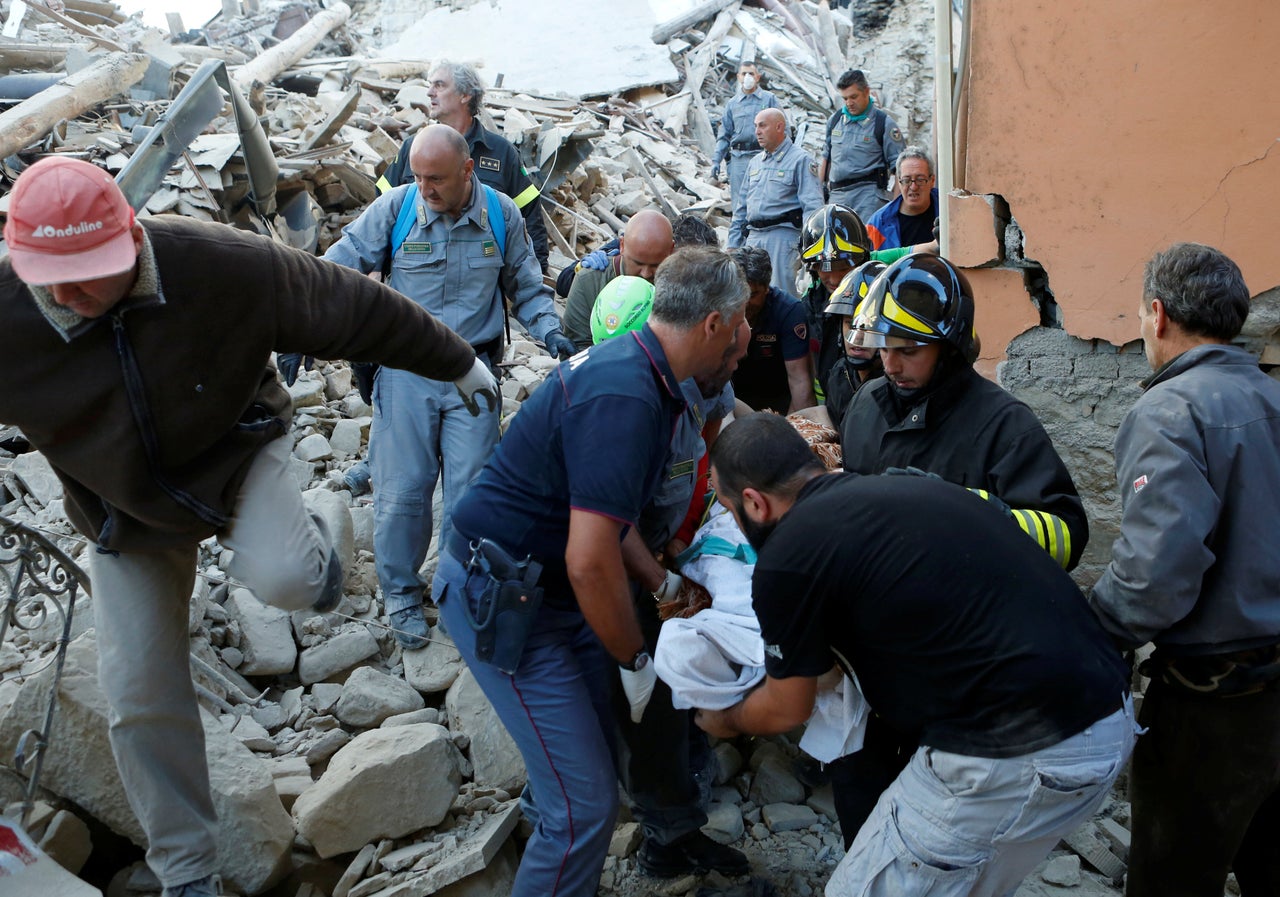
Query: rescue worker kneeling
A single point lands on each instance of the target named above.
(959, 628)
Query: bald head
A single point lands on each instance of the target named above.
(771, 129)
(441, 165)
(646, 244)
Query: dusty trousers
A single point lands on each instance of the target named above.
(1205, 787)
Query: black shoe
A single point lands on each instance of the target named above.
(694, 852)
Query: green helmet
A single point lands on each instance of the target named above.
(623, 305)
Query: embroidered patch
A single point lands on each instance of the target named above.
(1139, 483)
(489, 164)
(773, 651)
(423, 248)
(801, 331)
(896, 135)
(489, 248)
(682, 469)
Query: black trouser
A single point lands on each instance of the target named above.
(1205, 788)
(858, 779)
(655, 756)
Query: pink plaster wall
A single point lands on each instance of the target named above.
(1114, 129)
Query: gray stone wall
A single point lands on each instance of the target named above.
(1081, 391)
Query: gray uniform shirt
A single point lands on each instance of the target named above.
(781, 181)
(453, 267)
(738, 126)
(852, 150)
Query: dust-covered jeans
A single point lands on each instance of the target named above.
(951, 824)
(140, 609)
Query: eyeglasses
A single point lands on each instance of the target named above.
(918, 181)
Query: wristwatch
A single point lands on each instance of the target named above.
(637, 663)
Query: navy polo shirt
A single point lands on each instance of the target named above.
(780, 334)
(594, 437)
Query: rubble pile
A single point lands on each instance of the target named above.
(341, 765)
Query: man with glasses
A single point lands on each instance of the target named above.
(644, 246)
(909, 219)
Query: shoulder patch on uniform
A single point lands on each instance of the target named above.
(813, 167)
(896, 135)
(801, 331)
(1139, 483)
(490, 164)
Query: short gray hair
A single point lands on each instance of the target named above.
(755, 263)
(914, 152)
(466, 81)
(1202, 290)
(695, 281)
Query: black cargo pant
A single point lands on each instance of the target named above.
(1205, 788)
(658, 756)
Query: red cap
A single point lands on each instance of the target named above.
(68, 222)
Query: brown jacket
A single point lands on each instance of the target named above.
(151, 414)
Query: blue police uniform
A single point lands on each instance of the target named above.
(782, 190)
(596, 437)
(455, 270)
(855, 158)
(738, 144)
(779, 334)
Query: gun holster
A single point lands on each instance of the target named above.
(508, 604)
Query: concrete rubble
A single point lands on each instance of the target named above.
(341, 765)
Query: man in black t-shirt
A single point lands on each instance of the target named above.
(959, 629)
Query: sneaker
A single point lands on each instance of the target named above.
(209, 886)
(695, 853)
(409, 625)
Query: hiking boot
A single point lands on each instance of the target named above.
(409, 626)
(694, 852)
(209, 886)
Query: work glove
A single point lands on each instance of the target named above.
(670, 588)
(559, 345)
(638, 685)
(476, 384)
(365, 372)
(288, 364)
(594, 261)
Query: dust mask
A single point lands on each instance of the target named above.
(748, 82)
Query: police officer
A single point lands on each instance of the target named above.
(782, 191)
(777, 372)
(738, 142)
(862, 145)
(451, 264)
(455, 93)
(660, 755)
(572, 474)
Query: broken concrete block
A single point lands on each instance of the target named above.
(788, 817)
(266, 638)
(774, 783)
(37, 475)
(326, 746)
(493, 753)
(313, 448)
(481, 866)
(724, 823)
(626, 838)
(355, 870)
(307, 391)
(1063, 871)
(435, 667)
(344, 650)
(347, 437)
(338, 383)
(370, 696)
(67, 841)
(385, 784)
(425, 715)
(253, 735)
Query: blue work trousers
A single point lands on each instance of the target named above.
(866, 199)
(738, 162)
(782, 242)
(419, 425)
(556, 707)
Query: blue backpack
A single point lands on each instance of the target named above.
(404, 220)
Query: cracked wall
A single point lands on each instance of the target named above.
(1092, 136)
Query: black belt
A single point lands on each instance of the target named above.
(795, 218)
(868, 178)
(746, 147)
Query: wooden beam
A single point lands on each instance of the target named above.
(664, 31)
(30, 120)
(267, 66)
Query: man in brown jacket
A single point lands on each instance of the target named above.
(136, 358)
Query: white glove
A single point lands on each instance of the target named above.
(478, 382)
(670, 588)
(637, 685)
